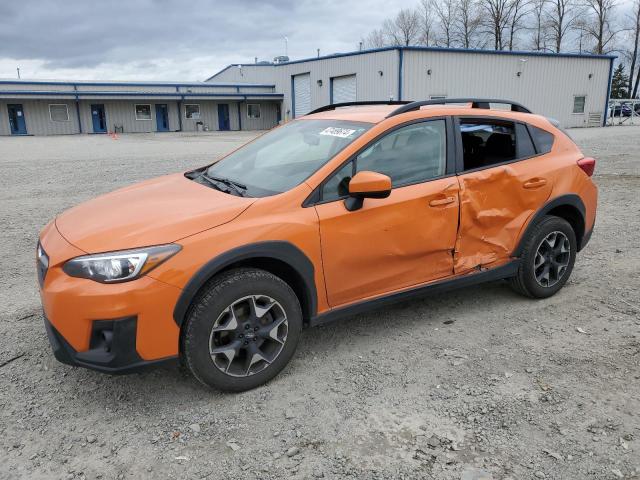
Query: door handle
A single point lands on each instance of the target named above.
(442, 201)
(535, 183)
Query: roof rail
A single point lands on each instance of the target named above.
(475, 103)
(333, 106)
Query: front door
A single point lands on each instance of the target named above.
(16, 120)
(503, 182)
(223, 117)
(98, 118)
(162, 117)
(400, 241)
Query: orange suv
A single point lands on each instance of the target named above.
(345, 209)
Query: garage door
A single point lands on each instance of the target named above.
(343, 89)
(301, 94)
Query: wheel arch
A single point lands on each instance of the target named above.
(280, 258)
(569, 207)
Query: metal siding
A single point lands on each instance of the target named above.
(208, 115)
(301, 94)
(370, 84)
(37, 119)
(546, 85)
(4, 119)
(344, 89)
(268, 116)
(248, 74)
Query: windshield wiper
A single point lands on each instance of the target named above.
(239, 188)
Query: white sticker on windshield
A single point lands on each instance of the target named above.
(338, 132)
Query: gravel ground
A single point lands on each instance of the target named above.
(476, 384)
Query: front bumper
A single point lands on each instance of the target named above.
(118, 355)
(134, 318)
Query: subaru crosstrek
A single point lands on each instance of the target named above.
(342, 210)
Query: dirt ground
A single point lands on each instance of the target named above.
(476, 384)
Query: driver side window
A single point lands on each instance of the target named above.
(411, 154)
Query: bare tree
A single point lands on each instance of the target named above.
(468, 22)
(375, 39)
(519, 10)
(426, 17)
(561, 18)
(404, 29)
(598, 26)
(539, 27)
(635, 47)
(497, 17)
(446, 12)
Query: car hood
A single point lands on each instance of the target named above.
(157, 211)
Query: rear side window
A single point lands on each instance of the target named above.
(524, 144)
(542, 139)
(487, 142)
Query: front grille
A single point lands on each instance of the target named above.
(42, 264)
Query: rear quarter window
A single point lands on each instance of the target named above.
(542, 139)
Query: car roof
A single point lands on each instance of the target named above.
(377, 113)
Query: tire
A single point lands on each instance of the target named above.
(530, 278)
(249, 353)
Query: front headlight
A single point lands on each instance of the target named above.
(120, 266)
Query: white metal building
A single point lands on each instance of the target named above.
(35, 107)
(572, 88)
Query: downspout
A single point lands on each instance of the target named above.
(180, 100)
(239, 110)
(75, 88)
(606, 103)
(400, 68)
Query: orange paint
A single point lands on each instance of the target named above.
(420, 233)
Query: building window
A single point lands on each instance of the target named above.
(59, 112)
(192, 111)
(143, 112)
(253, 110)
(578, 104)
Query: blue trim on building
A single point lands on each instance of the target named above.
(134, 84)
(400, 72)
(606, 102)
(293, 99)
(331, 90)
(239, 116)
(79, 93)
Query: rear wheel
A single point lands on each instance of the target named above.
(242, 330)
(547, 259)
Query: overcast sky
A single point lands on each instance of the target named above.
(171, 39)
(185, 40)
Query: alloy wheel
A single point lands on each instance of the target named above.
(552, 259)
(248, 335)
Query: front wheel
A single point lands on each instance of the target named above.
(242, 330)
(547, 259)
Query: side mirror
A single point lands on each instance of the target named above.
(367, 185)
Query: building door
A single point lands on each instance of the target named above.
(99, 119)
(343, 89)
(162, 117)
(223, 117)
(16, 120)
(301, 94)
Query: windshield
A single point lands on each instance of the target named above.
(284, 157)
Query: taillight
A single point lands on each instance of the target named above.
(588, 165)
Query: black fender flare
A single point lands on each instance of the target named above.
(570, 200)
(281, 251)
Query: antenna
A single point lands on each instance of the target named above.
(286, 46)
(18, 70)
(318, 53)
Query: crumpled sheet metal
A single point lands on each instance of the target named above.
(494, 206)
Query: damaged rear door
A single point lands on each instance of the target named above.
(502, 183)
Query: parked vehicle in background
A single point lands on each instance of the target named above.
(343, 210)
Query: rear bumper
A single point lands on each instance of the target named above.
(114, 353)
